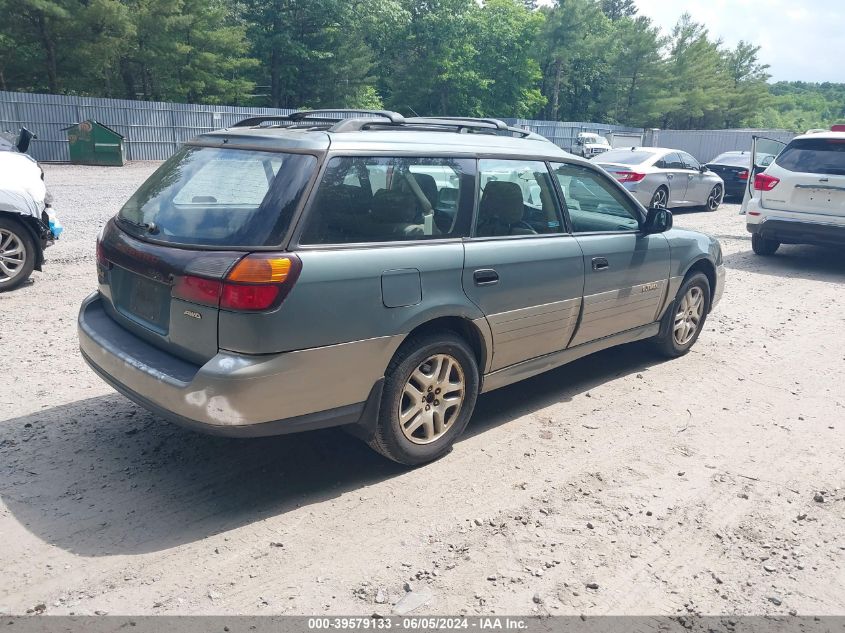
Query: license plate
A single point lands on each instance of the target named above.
(145, 300)
(820, 196)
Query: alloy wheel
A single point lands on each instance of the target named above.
(659, 200)
(715, 198)
(12, 254)
(432, 399)
(688, 316)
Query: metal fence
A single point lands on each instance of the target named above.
(564, 133)
(705, 145)
(154, 130)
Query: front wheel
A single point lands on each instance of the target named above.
(17, 254)
(762, 246)
(717, 194)
(430, 390)
(685, 318)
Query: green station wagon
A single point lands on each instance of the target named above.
(377, 272)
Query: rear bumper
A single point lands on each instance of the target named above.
(788, 231)
(235, 394)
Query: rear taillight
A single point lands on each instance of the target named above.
(629, 176)
(102, 261)
(764, 182)
(743, 175)
(198, 290)
(257, 282)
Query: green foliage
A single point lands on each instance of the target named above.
(588, 60)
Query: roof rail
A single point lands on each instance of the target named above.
(320, 116)
(434, 123)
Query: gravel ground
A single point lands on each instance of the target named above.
(619, 484)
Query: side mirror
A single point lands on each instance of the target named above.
(703, 168)
(657, 221)
(24, 139)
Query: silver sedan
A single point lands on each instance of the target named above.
(661, 177)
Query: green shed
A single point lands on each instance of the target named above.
(92, 143)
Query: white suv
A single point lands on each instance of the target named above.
(800, 197)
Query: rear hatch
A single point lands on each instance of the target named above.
(811, 177)
(165, 261)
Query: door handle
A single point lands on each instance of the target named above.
(690, 176)
(670, 176)
(600, 263)
(485, 277)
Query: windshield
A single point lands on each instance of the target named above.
(814, 156)
(593, 138)
(626, 157)
(219, 197)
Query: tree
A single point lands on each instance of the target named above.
(311, 51)
(434, 67)
(504, 36)
(618, 9)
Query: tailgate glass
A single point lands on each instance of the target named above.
(814, 156)
(205, 196)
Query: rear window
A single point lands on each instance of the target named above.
(219, 197)
(390, 199)
(625, 157)
(814, 156)
(734, 160)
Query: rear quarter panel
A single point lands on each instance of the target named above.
(340, 297)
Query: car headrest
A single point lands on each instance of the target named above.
(428, 186)
(502, 200)
(393, 206)
(343, 199)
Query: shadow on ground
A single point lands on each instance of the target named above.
(806, 262)
(100, 476)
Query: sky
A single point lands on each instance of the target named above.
(801, 40)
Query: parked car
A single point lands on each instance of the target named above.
(665, 178)
(326, 271)
(734, 168)
(28, 223)
(588, 144)
(800, 197)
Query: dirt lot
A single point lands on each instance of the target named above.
(713, 483)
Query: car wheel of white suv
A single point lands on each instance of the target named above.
(762, 246)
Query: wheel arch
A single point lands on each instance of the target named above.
(31, 227)
(467, 329)
(704, 265)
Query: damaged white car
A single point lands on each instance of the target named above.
(28, 223)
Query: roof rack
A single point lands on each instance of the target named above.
(345, 120)
(434, 124)
(320, 117)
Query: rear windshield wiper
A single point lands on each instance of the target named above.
(149, 227)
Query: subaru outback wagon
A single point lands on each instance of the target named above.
(377, 272)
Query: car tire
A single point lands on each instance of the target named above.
(688, 310)
(661, 198)
(761, 246)
(715, 199)
(416, 423)
(17, 254)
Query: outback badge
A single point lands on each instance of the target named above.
(193, 314)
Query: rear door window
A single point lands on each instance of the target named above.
(673, 161)
(516, 197)
(219, 197)
(814, 156)
(364, 199)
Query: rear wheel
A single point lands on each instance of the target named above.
(17, 254)
(717, 194)
(685, 319)
(761, 246)
(430, 390)
(660, 199)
